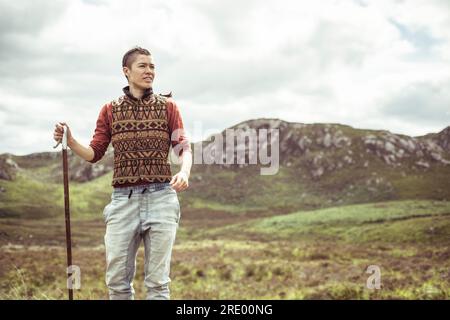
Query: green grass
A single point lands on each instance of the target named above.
(236, 240)
(26, 197)
(318, 254)
(398, 221)
(89, 199)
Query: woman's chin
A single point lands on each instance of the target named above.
(145, 85)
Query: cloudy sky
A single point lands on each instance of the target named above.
(368, 64)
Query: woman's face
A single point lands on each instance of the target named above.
(142, 72)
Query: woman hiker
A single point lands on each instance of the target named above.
(144, 205)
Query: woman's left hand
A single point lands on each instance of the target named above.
(180, 181)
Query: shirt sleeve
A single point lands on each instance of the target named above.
(180, 141)
(102, 135)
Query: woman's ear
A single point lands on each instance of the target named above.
(125, 71)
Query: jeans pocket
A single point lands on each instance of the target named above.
(170, 197)
(120, 195)
(179, 209)
(106, 212)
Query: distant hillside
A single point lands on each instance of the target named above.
(326, 164)
(321, 165)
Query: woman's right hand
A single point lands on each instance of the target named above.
(59, 131)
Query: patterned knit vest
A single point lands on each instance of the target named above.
(141, 140)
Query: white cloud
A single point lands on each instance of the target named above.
(351, 62)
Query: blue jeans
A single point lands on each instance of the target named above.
(150, 213)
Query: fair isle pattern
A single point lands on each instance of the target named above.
(141, 140)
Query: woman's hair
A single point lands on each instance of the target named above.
(130, 56)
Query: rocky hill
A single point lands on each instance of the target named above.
(326, 148)
(320, 165)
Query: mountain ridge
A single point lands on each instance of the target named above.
(320, 165)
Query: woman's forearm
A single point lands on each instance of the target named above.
(87, 153)
(186, 162)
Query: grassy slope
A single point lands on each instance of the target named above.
(27, 197)
(233, 191)
(320, 254)
(424, 221)
(396, 221)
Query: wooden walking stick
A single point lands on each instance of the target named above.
(67, 211)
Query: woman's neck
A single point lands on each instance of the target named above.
(136, 92)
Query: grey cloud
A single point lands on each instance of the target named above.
(215, 79)
(76, 76)
(362, 3)
(20, 24)
(444, 4)
(30, 129)
(28, 16)
(421, 103)
(96, 2)
(328, 43)
(79, 75)
(229, 80)
(422, 39)
(226, 18)
(200, 80)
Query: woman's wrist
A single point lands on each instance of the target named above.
(70, 142)
(186, 172)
